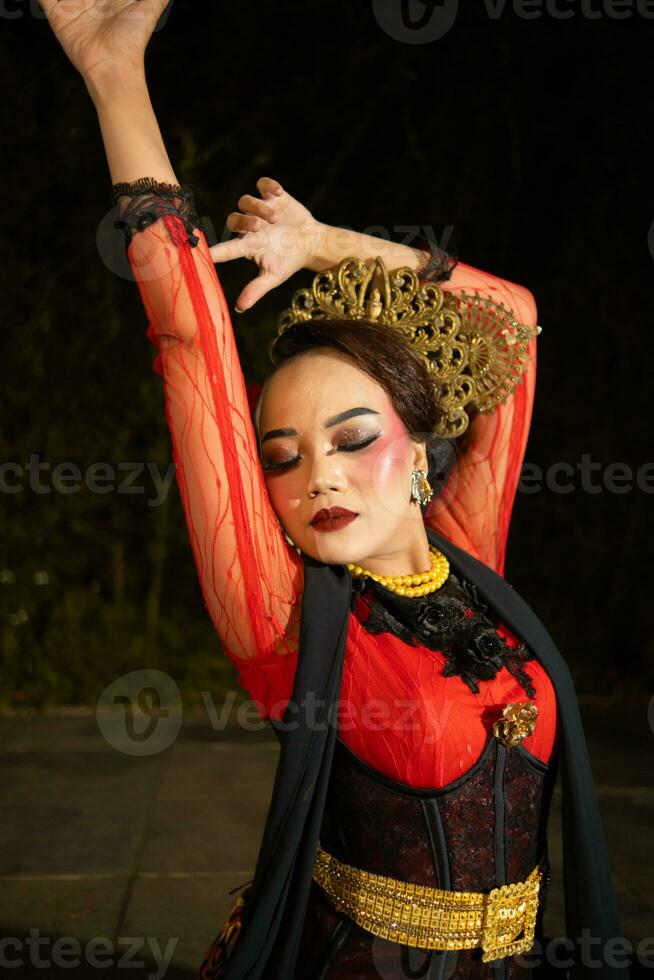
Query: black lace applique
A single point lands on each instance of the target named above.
(150, 200)
(474, 595)
(440, 621)
(440, 265)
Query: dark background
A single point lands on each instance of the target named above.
(525, 143)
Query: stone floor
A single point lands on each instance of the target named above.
(108, 859)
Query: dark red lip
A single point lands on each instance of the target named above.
(331, 513)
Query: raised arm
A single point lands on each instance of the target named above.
(251, 579)
(474, 510)
(477, 502)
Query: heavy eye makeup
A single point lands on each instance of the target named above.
(348, 441)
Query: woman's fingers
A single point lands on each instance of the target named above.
(236, 248)
(254, 290)
(254, 205)
(268, 187)
(244, 222)
(260, 206)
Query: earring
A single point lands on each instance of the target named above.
(291, 542)
(421, 490)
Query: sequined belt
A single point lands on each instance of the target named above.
(501, 921)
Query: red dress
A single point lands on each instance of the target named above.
(431, 728)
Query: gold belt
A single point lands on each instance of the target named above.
(434, 918)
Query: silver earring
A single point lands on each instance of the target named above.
(421, 490)
(291, 542)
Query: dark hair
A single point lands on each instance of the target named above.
(388, 357)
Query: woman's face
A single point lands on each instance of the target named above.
(330, 437)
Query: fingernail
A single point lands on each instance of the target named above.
(238, 310)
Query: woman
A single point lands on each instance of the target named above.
(397, 822)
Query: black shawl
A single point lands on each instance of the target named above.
(273, 920)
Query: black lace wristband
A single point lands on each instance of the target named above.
(440, 264)
(151, 199)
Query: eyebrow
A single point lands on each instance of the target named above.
(334, 420)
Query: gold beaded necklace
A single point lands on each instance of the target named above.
(419, 584)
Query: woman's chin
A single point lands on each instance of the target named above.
(336, 547)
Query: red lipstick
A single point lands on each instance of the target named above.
(332, 518)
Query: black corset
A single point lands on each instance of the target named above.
(485, 829)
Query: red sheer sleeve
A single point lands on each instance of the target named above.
(250, 577)
(474, 509)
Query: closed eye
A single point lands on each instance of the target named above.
(347, 447)
(350, 447)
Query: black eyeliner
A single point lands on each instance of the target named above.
(346, 448)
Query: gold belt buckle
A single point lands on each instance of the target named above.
(510, 912)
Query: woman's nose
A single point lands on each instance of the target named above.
(326, 474)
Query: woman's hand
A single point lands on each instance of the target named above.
(277, 232)
(102, 36)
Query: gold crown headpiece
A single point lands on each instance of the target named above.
(474, 348)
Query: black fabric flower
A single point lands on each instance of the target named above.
(453, 620)
(472, 592)
(488, 647)
(481, 659)
(440, 615)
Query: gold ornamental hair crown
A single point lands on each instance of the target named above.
(474, 348)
